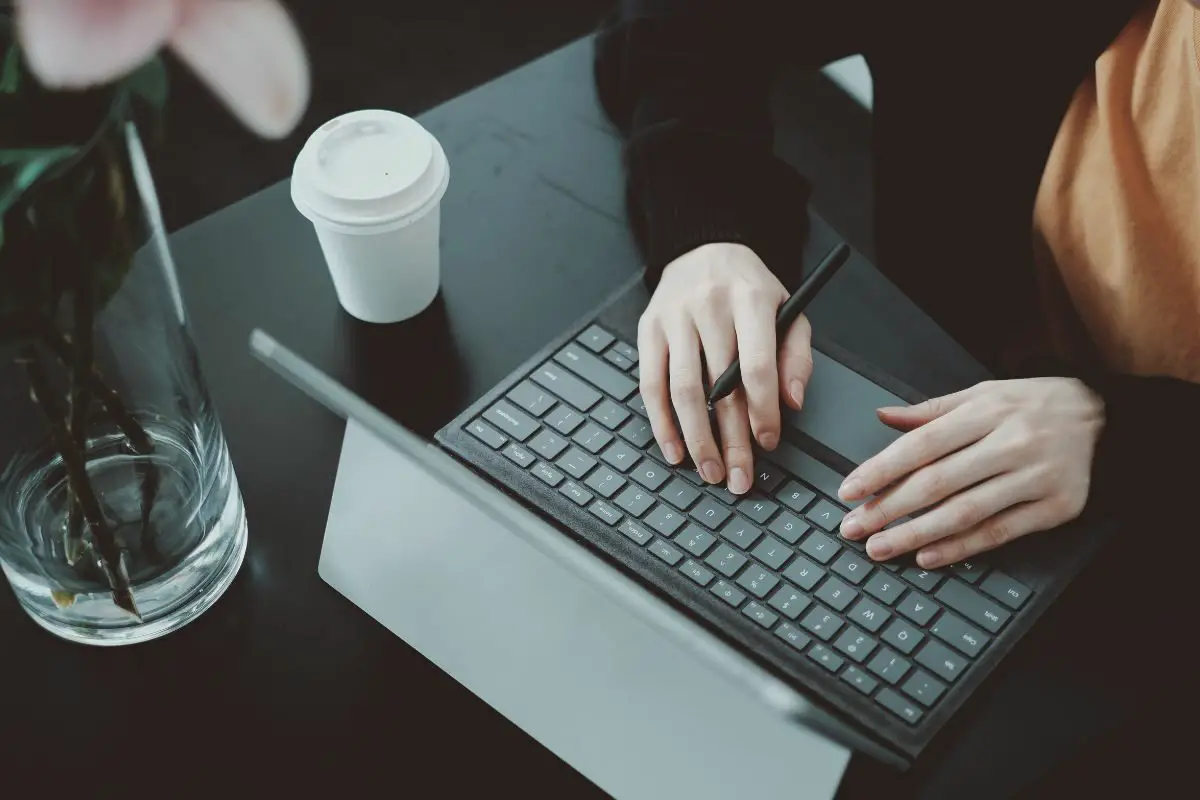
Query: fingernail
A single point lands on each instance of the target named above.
(796, 390)
(768, 441)
(851, 527)
(673, 452)
(739, 481)
(878, 548)
(711, 471)
(928, 559)
(850, 489)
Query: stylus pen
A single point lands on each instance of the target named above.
(788, 312)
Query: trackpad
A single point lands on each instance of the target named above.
(839, 411)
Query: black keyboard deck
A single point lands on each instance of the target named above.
(895, 635)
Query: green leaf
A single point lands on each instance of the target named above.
(149, 82)
(10, 71)
(20, 169)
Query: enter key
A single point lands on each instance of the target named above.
(982, 610)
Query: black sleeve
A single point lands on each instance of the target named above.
(688, 82)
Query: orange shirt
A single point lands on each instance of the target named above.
(1117, 217)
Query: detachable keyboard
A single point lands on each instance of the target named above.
(892, 646)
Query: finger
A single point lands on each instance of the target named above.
(915, 449)
(796, 362)
(652, 364)
(960, 513)
(755, 326)
(717, 341)
(1012, 523)
(926, 487)
(908, 417)
(687, 394)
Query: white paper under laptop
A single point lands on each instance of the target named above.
(632, 694)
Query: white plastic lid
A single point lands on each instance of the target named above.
(369, 171)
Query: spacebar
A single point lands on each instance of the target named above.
(809, 470)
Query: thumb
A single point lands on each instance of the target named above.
(795, 362)
(905, 418)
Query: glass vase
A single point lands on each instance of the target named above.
(120, 515)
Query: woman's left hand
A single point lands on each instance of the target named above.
(980, 467)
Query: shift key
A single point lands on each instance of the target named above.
(596, 372)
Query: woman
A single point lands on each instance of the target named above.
(1038, 193)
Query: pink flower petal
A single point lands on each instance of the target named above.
(250, 54)
(80, 43)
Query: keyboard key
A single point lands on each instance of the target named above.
(637, 373)
(592, 438)
(605, 512)
(836, 593)
(869, 614)
(610, 415)
(741, 532)
(548, 444)
(638, 405)
(602, 375)
(726, 560)
(767, 476)
(789, 602)
(772, 552)
(668, 553)
(701, 576)
(650, 474)
(710, 513)
(919, 608)
(690, 473)
(793, 636)
(923, 579)
(486, 434)
(620, 456)
(596, 338)
(788, 527)
(695, 540)
(636, 531)
(855, 644)
(637, 432)
(757, 581)
(564, 420)
(883, 586)
(627, 350)
(889, 666)
(899, 706)
(617, 360)
(519, 455)
(605, 482)
(970, 571)
(826, 658)
(576, 492)
(825, 515)
(635, 500)
(820, 547)
(859, 680)
(823, 624)
(808, 469)
(531, 399)
(680, 494)
(729, 593)
(795, 496)
(803, 573)
(924, 688)
(548, 474)
(723, 494)
(664, 519)
(552, 377)
(958, 634)
(576, 463)
(983, 611)
(760, 614)
(941, 661)
(758, 508)
(1008, 591)
(903, 635)
(851, 567)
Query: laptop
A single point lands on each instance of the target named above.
(878, 657)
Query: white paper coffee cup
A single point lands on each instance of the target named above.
(371, 182)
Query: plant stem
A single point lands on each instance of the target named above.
(80, 398)
(77, 480)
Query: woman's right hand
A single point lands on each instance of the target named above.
(713, 304)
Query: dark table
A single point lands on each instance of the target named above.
(284, 684)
